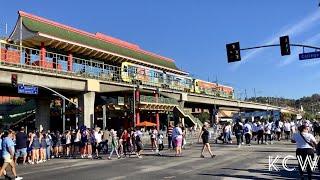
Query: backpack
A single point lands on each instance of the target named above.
(246, 129)
(237, 129)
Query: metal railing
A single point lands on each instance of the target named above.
(160, 100)
(43, 61)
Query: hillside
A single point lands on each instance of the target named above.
(310, 104)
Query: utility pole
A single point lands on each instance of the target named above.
(245, 92)
(255, 94)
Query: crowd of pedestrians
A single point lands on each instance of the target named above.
(259, 131)
(38, 147)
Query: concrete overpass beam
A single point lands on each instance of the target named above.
(42, 114)
(86, 102)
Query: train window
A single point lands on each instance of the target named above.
(125, 69)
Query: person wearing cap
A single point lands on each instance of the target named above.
(21, 145)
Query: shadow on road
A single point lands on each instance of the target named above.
(282, 174)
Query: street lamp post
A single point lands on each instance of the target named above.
(134, 107)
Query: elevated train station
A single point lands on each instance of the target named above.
(113, 82)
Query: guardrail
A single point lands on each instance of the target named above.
(161, 100)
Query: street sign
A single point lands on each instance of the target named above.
(310, 55)
(22, 89)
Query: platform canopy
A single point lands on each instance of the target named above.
(32, 30)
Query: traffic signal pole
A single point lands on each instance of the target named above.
(234, 50)
(62, 97)
(272, 45)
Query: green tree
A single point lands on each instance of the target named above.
(204, 116)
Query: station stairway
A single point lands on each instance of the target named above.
(191, 120)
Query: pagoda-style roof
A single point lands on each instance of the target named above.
(98, 46)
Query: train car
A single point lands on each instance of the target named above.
(204, 87)
(178, 82)
(225, 91)
(133, 73)
(212, 89)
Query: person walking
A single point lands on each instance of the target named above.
(153, 138)
(227, 133)
(106, 139)
(7, 155)
(169, 134)
(278, 130)
(204, 135)
(305, 142)
(114, 144)
(260, 128)
(267, 130)
(237, 130)
(177, 138)
(287, 129)
(160, 143)
(139, 144)
(247, 132)
(21, 145)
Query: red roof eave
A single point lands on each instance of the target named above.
(97, 36)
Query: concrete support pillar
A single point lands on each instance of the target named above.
(70, 62)
(42, 55)
(104, 116)
(42, 114)
(137, 105)
(87, 106)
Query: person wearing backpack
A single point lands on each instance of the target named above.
(305, 144)
(247, 132)
(237, 130)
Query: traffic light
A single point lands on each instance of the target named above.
(14, 80)
(233, 52)
(285, 45)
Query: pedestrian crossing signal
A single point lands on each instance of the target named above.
(285, 45)
(233, 52)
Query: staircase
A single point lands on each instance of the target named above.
(186, 114)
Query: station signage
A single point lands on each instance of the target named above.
(23, 89)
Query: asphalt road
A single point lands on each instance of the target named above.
(247, 162)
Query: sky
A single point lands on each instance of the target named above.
(194, 33)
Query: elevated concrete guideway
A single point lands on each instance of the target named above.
(74, 83)
(82, 85)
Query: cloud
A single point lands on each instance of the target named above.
(294, 30)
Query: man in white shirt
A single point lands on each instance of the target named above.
(267, 130)
(304, 143)
(247, 132)
(287, 129)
